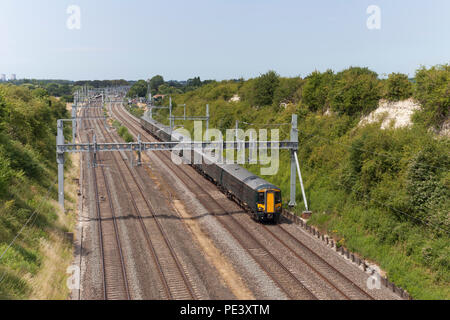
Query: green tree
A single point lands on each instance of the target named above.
(287, 91)
(433, 92)
(40, 93)
(64, 90)
(139, 89)
(67, 98)
(316, 90)
(397, 87)
(53, 89)
(155, 82)
(425, 189)
(356, 90)
(165, 89)
(194, 82)
(264, 88)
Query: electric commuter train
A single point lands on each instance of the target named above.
(255, 194)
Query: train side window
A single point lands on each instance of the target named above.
(260, 197)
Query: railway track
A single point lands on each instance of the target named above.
(325, 270)
(114, 276)
(286, 280)
(171, 273)
(345, 287)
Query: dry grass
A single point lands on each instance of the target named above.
(72, 187)
(57, 253)
(50, 281)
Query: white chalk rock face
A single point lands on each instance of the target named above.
(235, 98)
(390, 113)
(445, 129)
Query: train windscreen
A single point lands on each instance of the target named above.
(278, 197)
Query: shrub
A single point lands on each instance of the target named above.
(433, 92)
(5, 175)
(264, 88)
(67, 98)
(221, 91)
(27, 171)
(356, 90)
(136, 111)
(40, 93)
(287, 91)
(123, 132)
(425, 190)
(362, 182)
(397, 87)
(128, 137)
(316, 90)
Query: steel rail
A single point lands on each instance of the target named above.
(233, 232)
(322, 260)
(160, 228)
(317, 256)
(116, 232)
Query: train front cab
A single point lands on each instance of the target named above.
(269, 205)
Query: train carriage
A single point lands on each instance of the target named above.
(260, 197)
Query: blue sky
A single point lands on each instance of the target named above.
(218, 39)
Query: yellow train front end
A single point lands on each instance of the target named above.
(269, 205)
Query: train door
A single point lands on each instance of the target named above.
(270, 202)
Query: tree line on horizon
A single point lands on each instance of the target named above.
(351, 91)
(158, 85)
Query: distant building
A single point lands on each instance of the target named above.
(3, 77)
(13, 77)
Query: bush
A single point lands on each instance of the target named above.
(40, 93)
(128, 137)
(363, 184)
(287, 91)
(264, 88)
(315, 93)
(433, 92)
(5, 175)
(397, 87)
(356, 90)
(136, 111)
(123, 132)
(27, 170)
(67, 98)
(426, 191)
